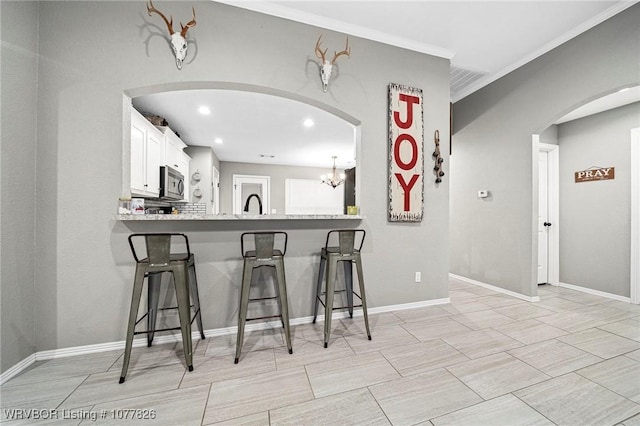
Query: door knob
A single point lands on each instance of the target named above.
(547, 224)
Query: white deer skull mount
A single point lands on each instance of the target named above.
(326, 66)
(178, 39)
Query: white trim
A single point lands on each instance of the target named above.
(494, 288)
(634, 284)
(280, 11)
(17, 369)
(173, 338)
(595, 292)
(598, 19)
(265, 197)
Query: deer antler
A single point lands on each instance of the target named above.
(319, 52)
(169, 22)
(191, 23)
(346, 51)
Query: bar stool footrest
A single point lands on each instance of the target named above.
(195, 315)
(265, 317)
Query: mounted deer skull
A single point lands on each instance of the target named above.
(326, 65)
(178, 39)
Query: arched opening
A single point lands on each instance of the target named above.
(250, 125)
(595, 139)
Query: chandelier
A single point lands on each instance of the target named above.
(334, 179)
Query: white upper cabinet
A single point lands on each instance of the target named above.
(173, 147)
(147, 150)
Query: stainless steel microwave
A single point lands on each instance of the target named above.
(171, 184)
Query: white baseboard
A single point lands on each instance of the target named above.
(494, 288)
(17, 369)
(595, 292)
(173, 338)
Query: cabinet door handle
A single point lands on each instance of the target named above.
(547, 224)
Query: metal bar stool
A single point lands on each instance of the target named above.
(330, 255)
(264, 254)
(183, 269)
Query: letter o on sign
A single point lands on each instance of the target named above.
(414, 151)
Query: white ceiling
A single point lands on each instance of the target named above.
(483, 39)
(255, 126)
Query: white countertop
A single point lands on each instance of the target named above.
(187, 216)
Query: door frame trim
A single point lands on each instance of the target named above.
(553, 157)
(238, 179)
(634, 284)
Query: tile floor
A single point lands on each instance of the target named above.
(484, 359)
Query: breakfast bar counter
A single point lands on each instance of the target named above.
(233, 217)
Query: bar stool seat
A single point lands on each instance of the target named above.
(182, 267)
(346, 252)
(264, 254)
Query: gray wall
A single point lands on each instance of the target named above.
(550, 135)
(203, 159)
(18, 65)
(278, 176)
(595, 217)
(84, 269)
(494, 240)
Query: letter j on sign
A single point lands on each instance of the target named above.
(406, 165)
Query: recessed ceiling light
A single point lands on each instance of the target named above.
(218, 141)
(204, 110)
(308, 123)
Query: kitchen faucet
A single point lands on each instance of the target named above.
(246, 204)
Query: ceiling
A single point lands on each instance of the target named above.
(255, 127)
(484, 40)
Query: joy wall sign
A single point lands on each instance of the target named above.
(406, 165)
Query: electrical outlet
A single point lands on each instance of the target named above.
(418, 277)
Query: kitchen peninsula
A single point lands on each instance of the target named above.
(225, 217)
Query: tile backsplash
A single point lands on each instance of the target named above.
(191, 208)
(160, 206)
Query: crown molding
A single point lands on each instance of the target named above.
(598, 19)
(284, 12)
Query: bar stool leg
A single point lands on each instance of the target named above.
(193, 287)
(348, 281)
(138, 283)
(153, 295)
(244, 304)
(319, 288)
(362, 295)
(284, 302)
(276, 289)
(328, 301)
(184, 311)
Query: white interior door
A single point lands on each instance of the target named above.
(543, 218)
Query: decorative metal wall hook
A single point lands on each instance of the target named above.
(326, 65)
(437, 168)
(178, 39)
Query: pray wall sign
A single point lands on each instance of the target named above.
(595, 174)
